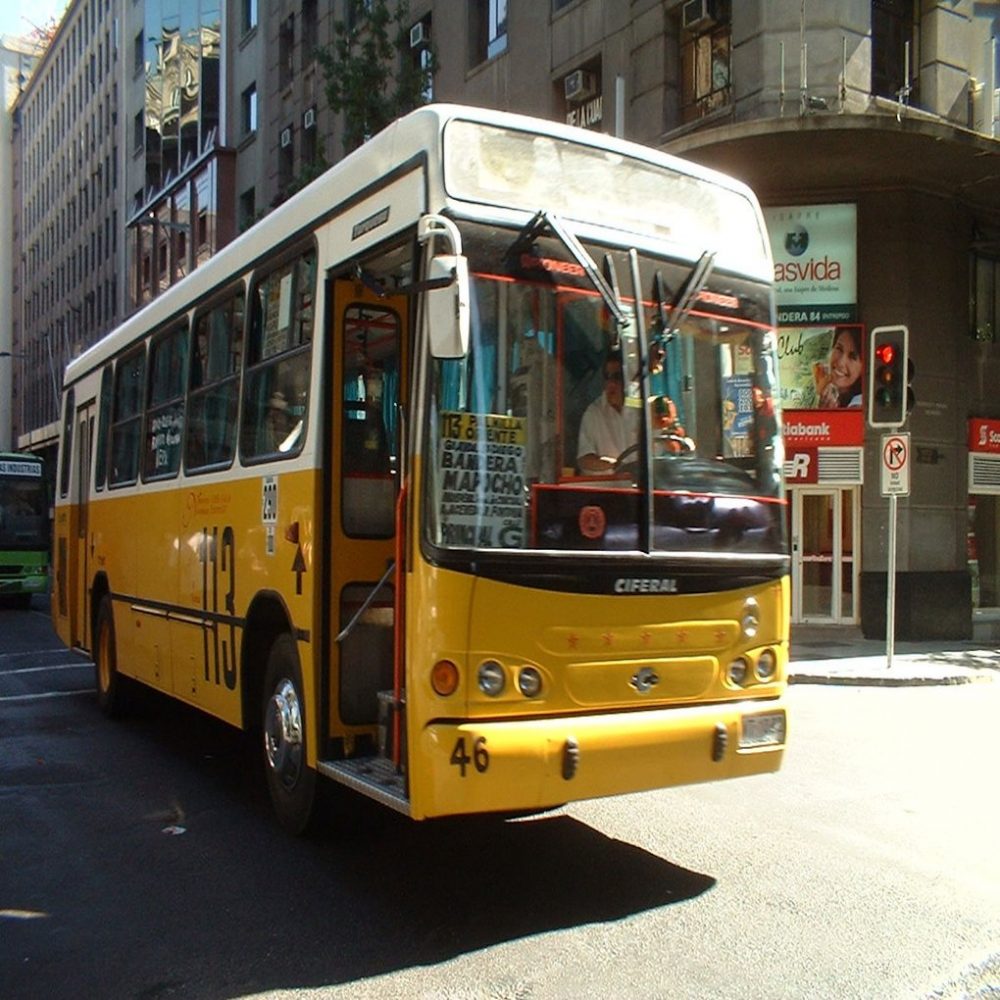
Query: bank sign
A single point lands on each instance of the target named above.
(815, 263)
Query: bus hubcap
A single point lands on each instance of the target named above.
(283, 734)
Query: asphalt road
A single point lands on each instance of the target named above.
(139, 859)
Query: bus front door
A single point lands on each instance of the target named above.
(364, 463)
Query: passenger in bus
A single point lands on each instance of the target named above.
(669, 436)
(281, 428)
(608, 428)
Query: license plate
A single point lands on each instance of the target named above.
(765, 730)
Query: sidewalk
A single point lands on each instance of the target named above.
(839, 654)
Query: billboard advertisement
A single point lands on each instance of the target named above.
(815, 263)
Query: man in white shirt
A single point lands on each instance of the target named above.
(608, 426)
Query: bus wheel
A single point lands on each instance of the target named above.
(110, 684)
(290, 780)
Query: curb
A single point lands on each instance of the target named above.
(847, 680)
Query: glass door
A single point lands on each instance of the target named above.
(824, 540)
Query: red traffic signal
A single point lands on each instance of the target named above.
(887, 376)
(884, 353)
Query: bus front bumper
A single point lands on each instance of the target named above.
(472, 767)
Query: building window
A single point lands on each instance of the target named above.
(248, 208)
(286, 157)
(422, 56)
(310, 24)
(249, 15)
(895, 34)
(309, 143)
(286, 50)
(985, 299)
(357, 13)
(487, 29)
(705, 61)
(249, 109)
(139, 61)
(138, 130)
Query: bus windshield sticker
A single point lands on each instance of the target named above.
(482, 487)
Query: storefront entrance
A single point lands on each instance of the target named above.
(824, 535)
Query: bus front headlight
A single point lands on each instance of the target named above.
(529, 682)
(737, 671)
(491, 678)
(767, 665)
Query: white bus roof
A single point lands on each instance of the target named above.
(419, 137)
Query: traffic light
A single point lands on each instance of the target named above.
(889, 372)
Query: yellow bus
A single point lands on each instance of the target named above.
(331, 489)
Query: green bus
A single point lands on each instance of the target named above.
(24, 528)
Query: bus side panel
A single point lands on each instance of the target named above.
(238, 540)
(135, 560)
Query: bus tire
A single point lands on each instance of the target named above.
(111, 696)
(290, 780)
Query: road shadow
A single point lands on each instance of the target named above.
(233, 906)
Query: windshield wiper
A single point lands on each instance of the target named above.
(543, 221)
(686, 296)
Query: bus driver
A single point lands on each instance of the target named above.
(608, 427)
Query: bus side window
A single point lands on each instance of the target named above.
(217, 353)
(126, 419)
(103, 429)
(165, 413)
(279, 357)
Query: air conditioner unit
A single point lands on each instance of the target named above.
(286, 137)
(420, 35)
(309, 118)
(579, 85)
(697, 14)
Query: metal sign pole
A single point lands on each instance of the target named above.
(890, 586)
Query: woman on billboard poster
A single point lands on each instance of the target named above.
(838, 381)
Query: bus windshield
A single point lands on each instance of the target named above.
(23, 514)
(569, 427)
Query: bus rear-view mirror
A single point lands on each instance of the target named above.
(448, 306)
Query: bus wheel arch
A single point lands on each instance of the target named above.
(267, 618)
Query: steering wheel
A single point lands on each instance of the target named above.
(631, 450)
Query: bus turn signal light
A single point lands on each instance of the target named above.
(444, 678)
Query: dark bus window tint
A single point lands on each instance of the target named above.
(66, 455)
(165, 418)
(217, 354)
(276, 389)
(103, 429)
(126, 425)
